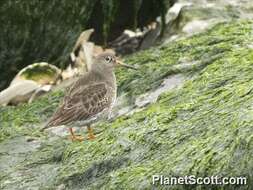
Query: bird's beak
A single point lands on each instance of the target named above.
(120, 63)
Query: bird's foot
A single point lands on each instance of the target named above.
(74, 137)
(78, 138)
(91, 137)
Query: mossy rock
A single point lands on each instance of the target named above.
(203, 128)
(197, 16)
(42, 73)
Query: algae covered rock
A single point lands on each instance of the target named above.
(41, 73)
(202, 128)
(31, 82)
(188, 17)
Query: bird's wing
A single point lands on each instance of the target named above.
(81, 104)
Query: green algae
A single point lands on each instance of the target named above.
(27, 115)
(42, 72)
(203, 128)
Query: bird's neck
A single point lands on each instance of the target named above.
(105, 75)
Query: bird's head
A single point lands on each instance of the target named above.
(108, 61)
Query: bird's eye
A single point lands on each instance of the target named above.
(108, 59)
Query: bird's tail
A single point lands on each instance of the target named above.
(47, 126)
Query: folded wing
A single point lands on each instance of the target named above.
(81, 104)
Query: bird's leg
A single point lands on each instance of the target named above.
(90, 131)
(75, 137)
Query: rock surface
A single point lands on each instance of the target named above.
(31, 82)
(19, 92)
(41, 73)
(188, 17)
(203, 127)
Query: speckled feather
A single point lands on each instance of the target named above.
(82, 105)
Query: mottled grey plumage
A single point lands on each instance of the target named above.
(91, 97)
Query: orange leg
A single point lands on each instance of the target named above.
(75, 137)
(90, 131)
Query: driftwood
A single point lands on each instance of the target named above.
(130, 41)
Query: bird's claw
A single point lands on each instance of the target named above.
(77, 138)
(91, 137)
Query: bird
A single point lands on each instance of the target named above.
(90, 98)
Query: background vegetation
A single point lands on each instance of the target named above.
(35, 31)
